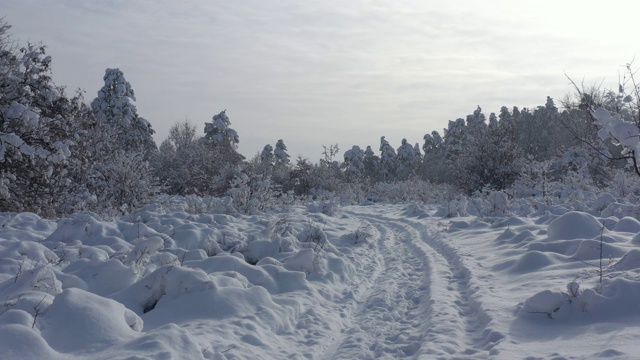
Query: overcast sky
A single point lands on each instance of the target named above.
(333, 71)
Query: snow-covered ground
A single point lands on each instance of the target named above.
(355, 282)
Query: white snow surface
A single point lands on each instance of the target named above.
(368, 282)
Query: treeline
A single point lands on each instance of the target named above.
(60, 154)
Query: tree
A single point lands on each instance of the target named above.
(36, 131)
(388, 161)
(588, 120)
(538, 133)
(371, 164)
(299, 177)
(354, 167)
(219, 132)
(203, 166)
(218, 135)
(489, 158)
(114, 106)
(406, 160)
(434, 167)
(280, 154)
(266, 156)
(180, 163)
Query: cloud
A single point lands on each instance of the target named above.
(315, 73)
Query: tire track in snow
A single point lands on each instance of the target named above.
(457, 325)
(394, 313)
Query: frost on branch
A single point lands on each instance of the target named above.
(620, 132)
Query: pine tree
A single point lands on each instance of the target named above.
(266, 156)
(223, 140)
(488, 158)
(219, 132)
(434, 167)
(280, 154)
(406, 160)
(114, 106)
(371, 164)
(354, 163)
(388, 161)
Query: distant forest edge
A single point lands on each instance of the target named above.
(60, 154)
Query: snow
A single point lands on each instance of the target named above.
(417, 281)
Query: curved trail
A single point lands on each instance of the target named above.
(422, 303)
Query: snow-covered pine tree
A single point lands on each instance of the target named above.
(388, 161)
(280, 154)
(114, 106)
(434, 167)
(487, 158)
(118, 173)
(371, 164)
(281, 167)
(266, 156)
(537, 133)
(219, 135)
(406, 160)
(219, 131)
(354, 167)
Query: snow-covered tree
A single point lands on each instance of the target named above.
(300, 176)
(190, 165)
(180, 163)
(114, 106)
(280, 154)
(219, 131)
(388, 160)
(488, 158)
(406, 160)
(454, 136)
(371, 164)
(266, 156)
(434, 167)
(538, 133)
(354, 163)
(221, 137)
(36, 131)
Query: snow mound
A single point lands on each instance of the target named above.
(603, 201)
(98, 322)
(574, 225)
(416, 210)
(545, 302)
(458, 225)
(627, 224)
(590, 250)
(531, 261)
(618, 300)
(511, 221)
(630, 261)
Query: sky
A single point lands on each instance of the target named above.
(343, 72)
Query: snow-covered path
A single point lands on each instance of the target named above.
(420, 304)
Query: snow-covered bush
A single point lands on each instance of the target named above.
(453, 208)
(187, 164)
(251, 194)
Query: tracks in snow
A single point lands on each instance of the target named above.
(422, 303)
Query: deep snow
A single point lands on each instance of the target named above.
(377, 281)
